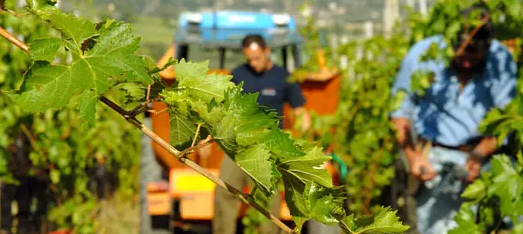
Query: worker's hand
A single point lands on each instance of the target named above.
(473, 168)
(421, 167)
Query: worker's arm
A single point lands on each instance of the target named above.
(416, 160)
(486, 147)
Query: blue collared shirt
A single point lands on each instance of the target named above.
(445, 115)
(274, 90)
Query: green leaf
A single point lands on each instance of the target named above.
(87, 106)
(72, 28)
(182, 129)
(307, 168)
(311, 200)
(255, 162)
(506, 183)
(134, 92)
(193, 76)
(254, 128)
(46, 87)
(44, 49)
(469, 228)
(281, 145)
(112, 58)
(211, 115)
(296, 196)
(224, 134)
(383, 221)
(55, 176)
(518, 228)
(466, 221)
(327, 204)
(476, 191)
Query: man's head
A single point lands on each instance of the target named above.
(471, 53)
(256, 52)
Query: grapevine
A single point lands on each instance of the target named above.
(63, 149)
(362, 134)
(104, 57)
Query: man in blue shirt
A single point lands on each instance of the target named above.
(480, 77)
(261, 75)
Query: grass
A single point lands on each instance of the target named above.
(119, 216)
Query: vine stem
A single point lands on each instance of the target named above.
(131, 118)
(14, 40)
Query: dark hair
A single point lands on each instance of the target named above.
(255, 38)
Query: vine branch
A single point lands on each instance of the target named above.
(131, 118)
(180, 156)
(15, 41)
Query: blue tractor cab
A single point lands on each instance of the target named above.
(224, 30)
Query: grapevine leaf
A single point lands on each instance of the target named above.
(476, 191)
(193, 76)
(468, 227)
(211, 115)
(114, 53)
(307, 168)
(46, 87)
(72, 28)
(87, 106)
(320, 210)
(507, 184)
(281, 145)
(296, 198)
(98, 69)
(55, 176)
(255, 162)
(311, 200)
(241, 104)
(191, 70)
(327, 204)
(182, 129)
(44, 49)
(224, 134)
(134, 92)
(518, 229)
(465, 219)
(383, 221)
(253, 128)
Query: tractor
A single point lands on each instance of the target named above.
(187, 199)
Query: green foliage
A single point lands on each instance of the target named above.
(13, 63)
(383, 221)
(315, 49)
(495, 195)
(103, 54)
(103, 57)
(63, 148)
(360, 131)
(250, 135)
